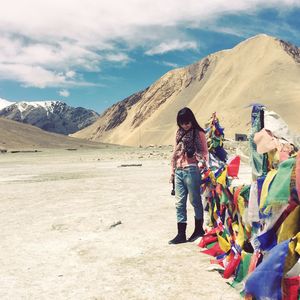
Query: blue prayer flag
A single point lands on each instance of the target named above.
(265, 281)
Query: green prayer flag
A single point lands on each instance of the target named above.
(279, 191)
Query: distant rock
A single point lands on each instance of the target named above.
(117, 113)
(53, 116)
(292, 50)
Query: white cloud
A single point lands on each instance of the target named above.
(64, 93)
(70, 74)
(172, 46)
(30, 75)
(118, 57)
(36, 76)
(41, 40)
(169, 64)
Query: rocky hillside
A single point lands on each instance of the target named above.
(261, 69)
(53, 116)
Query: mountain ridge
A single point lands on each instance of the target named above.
(260, 69)
(51, 115)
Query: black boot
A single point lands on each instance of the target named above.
(198, 232)
(180, 237)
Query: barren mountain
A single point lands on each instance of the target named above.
(15, 135)
(261, 69)
(53, 116)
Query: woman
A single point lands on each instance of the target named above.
(190, 150)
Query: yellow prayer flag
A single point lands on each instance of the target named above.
(241, 205)
(290, 226)
(241, 236)
(292, 257)
(265, 188)
(222, 178)
(215, 212)
(224, 245)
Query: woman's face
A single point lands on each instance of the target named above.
(186, 125)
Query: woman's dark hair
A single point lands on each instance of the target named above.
(185, 115)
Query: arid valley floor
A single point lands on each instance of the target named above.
(77, 225)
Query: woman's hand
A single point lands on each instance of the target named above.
(202, 164)
(171, 178)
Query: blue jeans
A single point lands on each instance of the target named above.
(187, 182)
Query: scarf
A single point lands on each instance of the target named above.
(187, 140)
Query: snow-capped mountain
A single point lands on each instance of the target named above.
(5, 103)
(54, 116)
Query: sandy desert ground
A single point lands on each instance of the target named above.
(76, 225)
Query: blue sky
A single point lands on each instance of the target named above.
(94, 53)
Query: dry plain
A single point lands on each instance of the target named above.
(76, 225)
